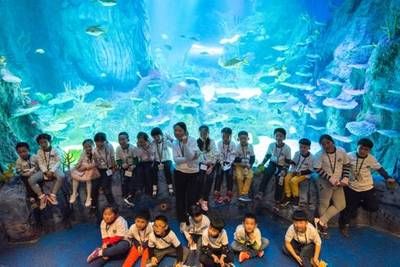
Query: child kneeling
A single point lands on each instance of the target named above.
(114, 234)
(248, 240)
(215, 250)
(302, 241)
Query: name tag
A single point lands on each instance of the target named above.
(109, 172)
(203, 167)
(128, 174)
(160, 166)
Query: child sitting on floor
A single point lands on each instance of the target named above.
(50, 169)
(248, 240)
(302, 241)
(139, 233)
(115, 244)
(84, 171)
(215, 250)
(198, 223)
(163, 242)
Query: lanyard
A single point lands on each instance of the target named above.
(160, 153)
(305, 235)
(29, 162)
(244, 151)
(332, 165)
(301, 163)
(142, 240)
(358, 169)
(181, 148)
(46, 160)
(126, 153)
(226, 151)
(280, 151)
(105, 155)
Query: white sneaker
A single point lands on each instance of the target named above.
(88, 202)
(73, 197)
(52, 199)
(43, 202)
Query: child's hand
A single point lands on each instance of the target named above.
(104, 245)
(222, 261)
(315, 261)
(184, 139)
(344, 181)
(299, 260)
(154, 261)
(140, 250)
(190, 241)
(178, 264)
(215, 258)
(390, 183)
(334, 181)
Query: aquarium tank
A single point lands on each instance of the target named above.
(72, 68)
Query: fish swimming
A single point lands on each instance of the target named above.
(108, 3)
(95, 31)
(40, 51)
(235, 62)
(280, 48)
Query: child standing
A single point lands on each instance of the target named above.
(104, 158)
(163, 159)
(163, 242)
(198, 223)
(115, 244)
(186, 158)
(302, 241)
(126, 162)
(215, 248)
(301, 169)
(226, 157)
(361, 191)
(50, 169)
(243, 165)
(333, 166)
(145, 170)
(139, 233)
(208, 153)
(26, 166)
(84, 171)
(279, 157)
(248, 240)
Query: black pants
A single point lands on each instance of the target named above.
(205, 184)
(306, 252)
(208, 261)
(271, 170)
(220, 174)
(128, 186)
(104, 182)
(366, 199)
(186, 193)
(29, 192)
(145, 176)
(167, 171)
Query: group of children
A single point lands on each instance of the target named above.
(153, 241)
(191, 170)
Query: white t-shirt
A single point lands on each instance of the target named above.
(22, 166)
(360, 175)
(127, 155)
(302, 163)
(119, 228)
(195, 228)
(140, 236)
(244, 153)
(332, 163)
(162, 150)
(184, 156)
(209, 156)
(49, 161)
(242, 237)
(226, 153)
(214, 242)
(310, 236)
(164, 242)
(279, 154)
(104, 157)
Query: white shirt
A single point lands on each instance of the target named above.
(183, 156)
(360, 175)
(302, 163)
(162, 150)
(195, 228)
(145, 154)
(164, 242)
(209, 156)
(332, 163)
(126, 155)
(244, 153)
(22, 166)
(226, 153)
(310, 236)
(49, 161)
(279, 155)
(214, 242)
(119, 228)
(242, 237)
(104, 157)
(140, 236)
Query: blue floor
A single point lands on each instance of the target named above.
(366, 247)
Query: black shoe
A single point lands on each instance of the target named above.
(323, 231)
(344, 230)
(295, 201)
(129, 201)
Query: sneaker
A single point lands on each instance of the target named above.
(88, 202)
(259, 196)
(204, 205)
(73, 197)
(129, 201)
(52, 199)
(42, 202)
(244, 256)
(217, 194)
(285, 202)
(245, 198)
(94, 255)
(228, 197)
(344, 230)
(260, 254)
(295, 201)
(323, 230)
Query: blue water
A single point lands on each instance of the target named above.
(366, 248)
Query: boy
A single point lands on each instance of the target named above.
(198, 223)
(162, 159)
(226, 152)
(301, 169)
(163, 242)
(215, 250)
(361, 191)
(243, 165)
(26, 165)
(139, 234)
(302, 241)
(104, 158)
(50, 169)
(248, 240)
(126, 161)
(279, 157)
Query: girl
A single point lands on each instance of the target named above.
(145, 170)
(84, 171)
(186, 157)
(114, 232)
(208, 155)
